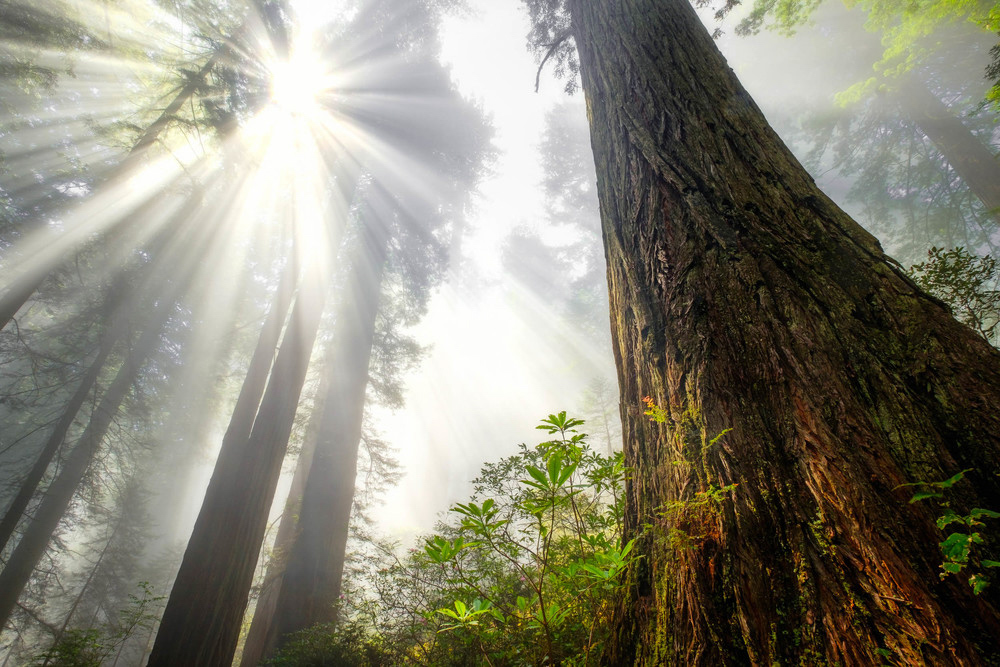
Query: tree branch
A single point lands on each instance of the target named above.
(548, 54)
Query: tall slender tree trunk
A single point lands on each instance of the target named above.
(968, 156)
(71, 411)
(743, 299)
(259, 634)
(202, 619)
(122, 302)
(54, 504)
(86, 587)
(176, 257)
(310, 585)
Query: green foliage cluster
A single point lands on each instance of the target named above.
(967, 283)
(524, 573)
(343, 645)
(959, 547)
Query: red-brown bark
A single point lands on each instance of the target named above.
(743, 299)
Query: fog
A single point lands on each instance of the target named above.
(451, 207)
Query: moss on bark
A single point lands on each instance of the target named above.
(742, 298)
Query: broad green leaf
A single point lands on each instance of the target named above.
(948, 517)
(538, 475)
(554, 466)
(953, 480)
(923, 495)
(956, 547)
(978, 583)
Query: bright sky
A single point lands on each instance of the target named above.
(496, 365)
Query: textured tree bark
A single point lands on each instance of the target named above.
(201, 622)
(743, 299)
(311, 584)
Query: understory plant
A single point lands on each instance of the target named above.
(523, 573)
(96, 646)
(962, 546)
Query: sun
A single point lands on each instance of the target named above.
(298, 83)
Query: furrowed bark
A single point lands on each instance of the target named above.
(742, 298)
(260, 633)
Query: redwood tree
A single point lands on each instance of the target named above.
(742, 298)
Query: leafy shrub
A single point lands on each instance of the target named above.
(967, 283)
(345, 645)
(960, 547)
(523, 573)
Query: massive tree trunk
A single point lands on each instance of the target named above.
(743, 299)
(201, 622)
(310, 586)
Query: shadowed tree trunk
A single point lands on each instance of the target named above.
(260, 633)
(743, 299)
(310, 585)
(177, 257)
(45, 518)
(201, 622)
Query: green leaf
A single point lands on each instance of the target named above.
(538, 475)
(953, 480)
(554, 465)
(979, 512)
(956, 547)
(979, 583)
(948, 517)
(596, 571)
(990, 563)
(923, 495)
(952, 568)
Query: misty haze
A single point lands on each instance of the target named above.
(499, 332)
